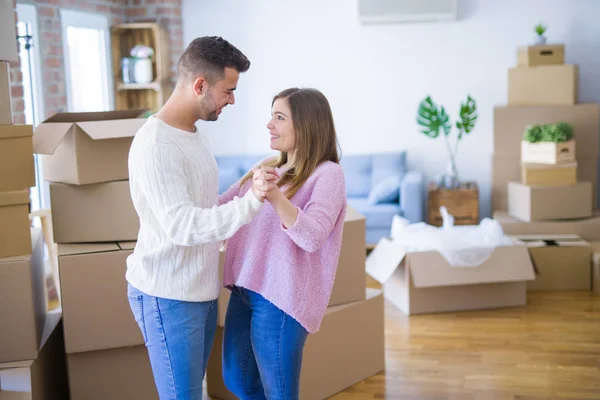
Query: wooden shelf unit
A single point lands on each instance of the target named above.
(141, 95)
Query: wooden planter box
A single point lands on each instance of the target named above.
(547, 152)
(461, 203)
(530, 56)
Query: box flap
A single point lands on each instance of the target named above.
(47, 137)
(127, 245)
(384, 259)
(112, 129)
(352, 214)
(72, 117)
(15, 131)
(73, 249)
(16, 364)
(505, 264)
(14, 198)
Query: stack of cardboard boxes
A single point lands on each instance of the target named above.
(84, 157)
(31, 347)
(543, 90)
(545, 193)
(349, 347)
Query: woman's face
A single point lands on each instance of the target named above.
(281, 127)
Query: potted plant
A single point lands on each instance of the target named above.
(434, 120)
(548, 143)
(142, 68)
(540, 29)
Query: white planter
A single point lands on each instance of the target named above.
(142, 70)
(540, 40)
(547, 152)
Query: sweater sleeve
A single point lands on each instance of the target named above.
(230, 194)
(163, 181)
(317, 219)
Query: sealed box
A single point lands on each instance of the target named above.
(15, 235)
(563, 174)
(17, 167)
(546, 84)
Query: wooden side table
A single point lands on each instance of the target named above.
(462, 203)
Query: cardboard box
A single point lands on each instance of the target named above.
(507, 169)
(510, 124)
(5, 92)
(586, 228)
(83, 148)
(96, 311)
(562, 262)
(539, 203)
(22, 302)
(8, 33)
(546, 84)
(123, 373)
(347, 349)
(424, 282)
(350, 279)
(531, 56)
(17, 168)
(42, 378)
(15, 235)
(596, 268)
(548, 152)
(564, 174)
(101, 212)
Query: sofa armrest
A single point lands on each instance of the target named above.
(412, 197)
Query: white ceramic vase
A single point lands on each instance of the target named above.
(142, 70)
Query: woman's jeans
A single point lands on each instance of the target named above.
(262, 348)
(179, 336)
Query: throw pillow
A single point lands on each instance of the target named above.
(386, 191)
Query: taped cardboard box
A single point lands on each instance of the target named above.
(562, 262)
(510, 123)
(84, 148)
(350, 279)
(547, 54)
(507, 169)
(123, 373)
(348, 348)
(17, 168)
(542, 203)
(8, 32)
(424, 282)
(5, 92)
(564, 174)
(543, 85)
(43, 377)
(101, 212)
(22, 302)
(96, 311)
(15, 234)
(586, 228)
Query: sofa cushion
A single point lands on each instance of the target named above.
(378, 215)
(357, 173)
(386, 165)
(386, 191)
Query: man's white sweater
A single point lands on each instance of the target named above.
(173, 179)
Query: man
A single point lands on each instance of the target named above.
(173, 272)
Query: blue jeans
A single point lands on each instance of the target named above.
(179, 336)
(262, 348)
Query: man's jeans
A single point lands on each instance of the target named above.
(262, 348)
(179, 336)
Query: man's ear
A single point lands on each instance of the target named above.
(200, 86)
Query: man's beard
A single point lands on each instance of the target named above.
(210, 109)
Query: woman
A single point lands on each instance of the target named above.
(280, 268)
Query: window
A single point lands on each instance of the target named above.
(29, 54)
(86, 49)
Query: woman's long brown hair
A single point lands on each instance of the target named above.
(316, 140)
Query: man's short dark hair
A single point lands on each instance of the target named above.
(209, 56)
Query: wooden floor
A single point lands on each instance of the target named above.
(549, 349)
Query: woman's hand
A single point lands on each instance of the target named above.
(264, 180)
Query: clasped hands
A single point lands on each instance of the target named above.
(264, 182)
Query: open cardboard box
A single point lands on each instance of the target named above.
(83, 148)
(424, 282)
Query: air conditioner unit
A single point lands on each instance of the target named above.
(404, 11)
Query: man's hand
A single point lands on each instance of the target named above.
(263, 181)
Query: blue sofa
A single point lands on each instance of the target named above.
(378, 185)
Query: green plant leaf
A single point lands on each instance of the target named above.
(428, 118)
(444, 121)
(533, 133)
(467, 116)
(540, 29)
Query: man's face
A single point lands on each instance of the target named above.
(219, 95)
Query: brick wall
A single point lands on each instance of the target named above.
(166, 12)
(16, 86)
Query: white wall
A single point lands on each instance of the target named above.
(375, 76)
